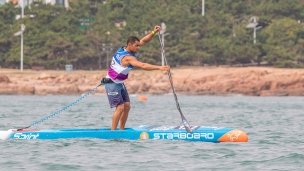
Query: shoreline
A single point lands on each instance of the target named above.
(249, 81)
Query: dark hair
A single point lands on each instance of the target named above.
(132, 39)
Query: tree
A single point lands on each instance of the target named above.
(282, 35)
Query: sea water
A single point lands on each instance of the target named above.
(274, 126)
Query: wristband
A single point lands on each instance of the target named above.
(153, 32)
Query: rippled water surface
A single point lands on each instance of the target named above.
(274, 126)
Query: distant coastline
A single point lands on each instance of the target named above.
(250, 81)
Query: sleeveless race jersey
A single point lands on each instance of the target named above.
(117, 72)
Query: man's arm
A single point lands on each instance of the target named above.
(149, 36)
(127, 60)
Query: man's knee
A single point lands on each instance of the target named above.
(127, 106)
(120, 108)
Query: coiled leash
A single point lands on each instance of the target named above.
(65, 108)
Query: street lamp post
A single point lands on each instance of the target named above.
(203, 7)
(20, 33)
(107, 49)
(254, 25)
(162, 33)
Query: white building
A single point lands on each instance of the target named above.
(64, 3)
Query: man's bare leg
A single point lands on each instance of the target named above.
(124, 116)
(116, 116)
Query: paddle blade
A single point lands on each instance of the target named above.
(187, 126)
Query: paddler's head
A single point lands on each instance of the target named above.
(133, 44)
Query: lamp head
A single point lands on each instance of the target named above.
(18, 33)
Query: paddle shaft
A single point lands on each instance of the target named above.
(185, 122)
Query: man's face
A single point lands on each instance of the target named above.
(134, 48)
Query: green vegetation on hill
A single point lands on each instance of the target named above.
(56, 36)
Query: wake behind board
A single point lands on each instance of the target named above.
(200, 133)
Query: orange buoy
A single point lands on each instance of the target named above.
(142, 98)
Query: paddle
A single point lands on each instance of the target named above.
(186, 124)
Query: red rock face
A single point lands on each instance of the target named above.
(4, 79)
(251, 81)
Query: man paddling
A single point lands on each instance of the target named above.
(123, 61)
